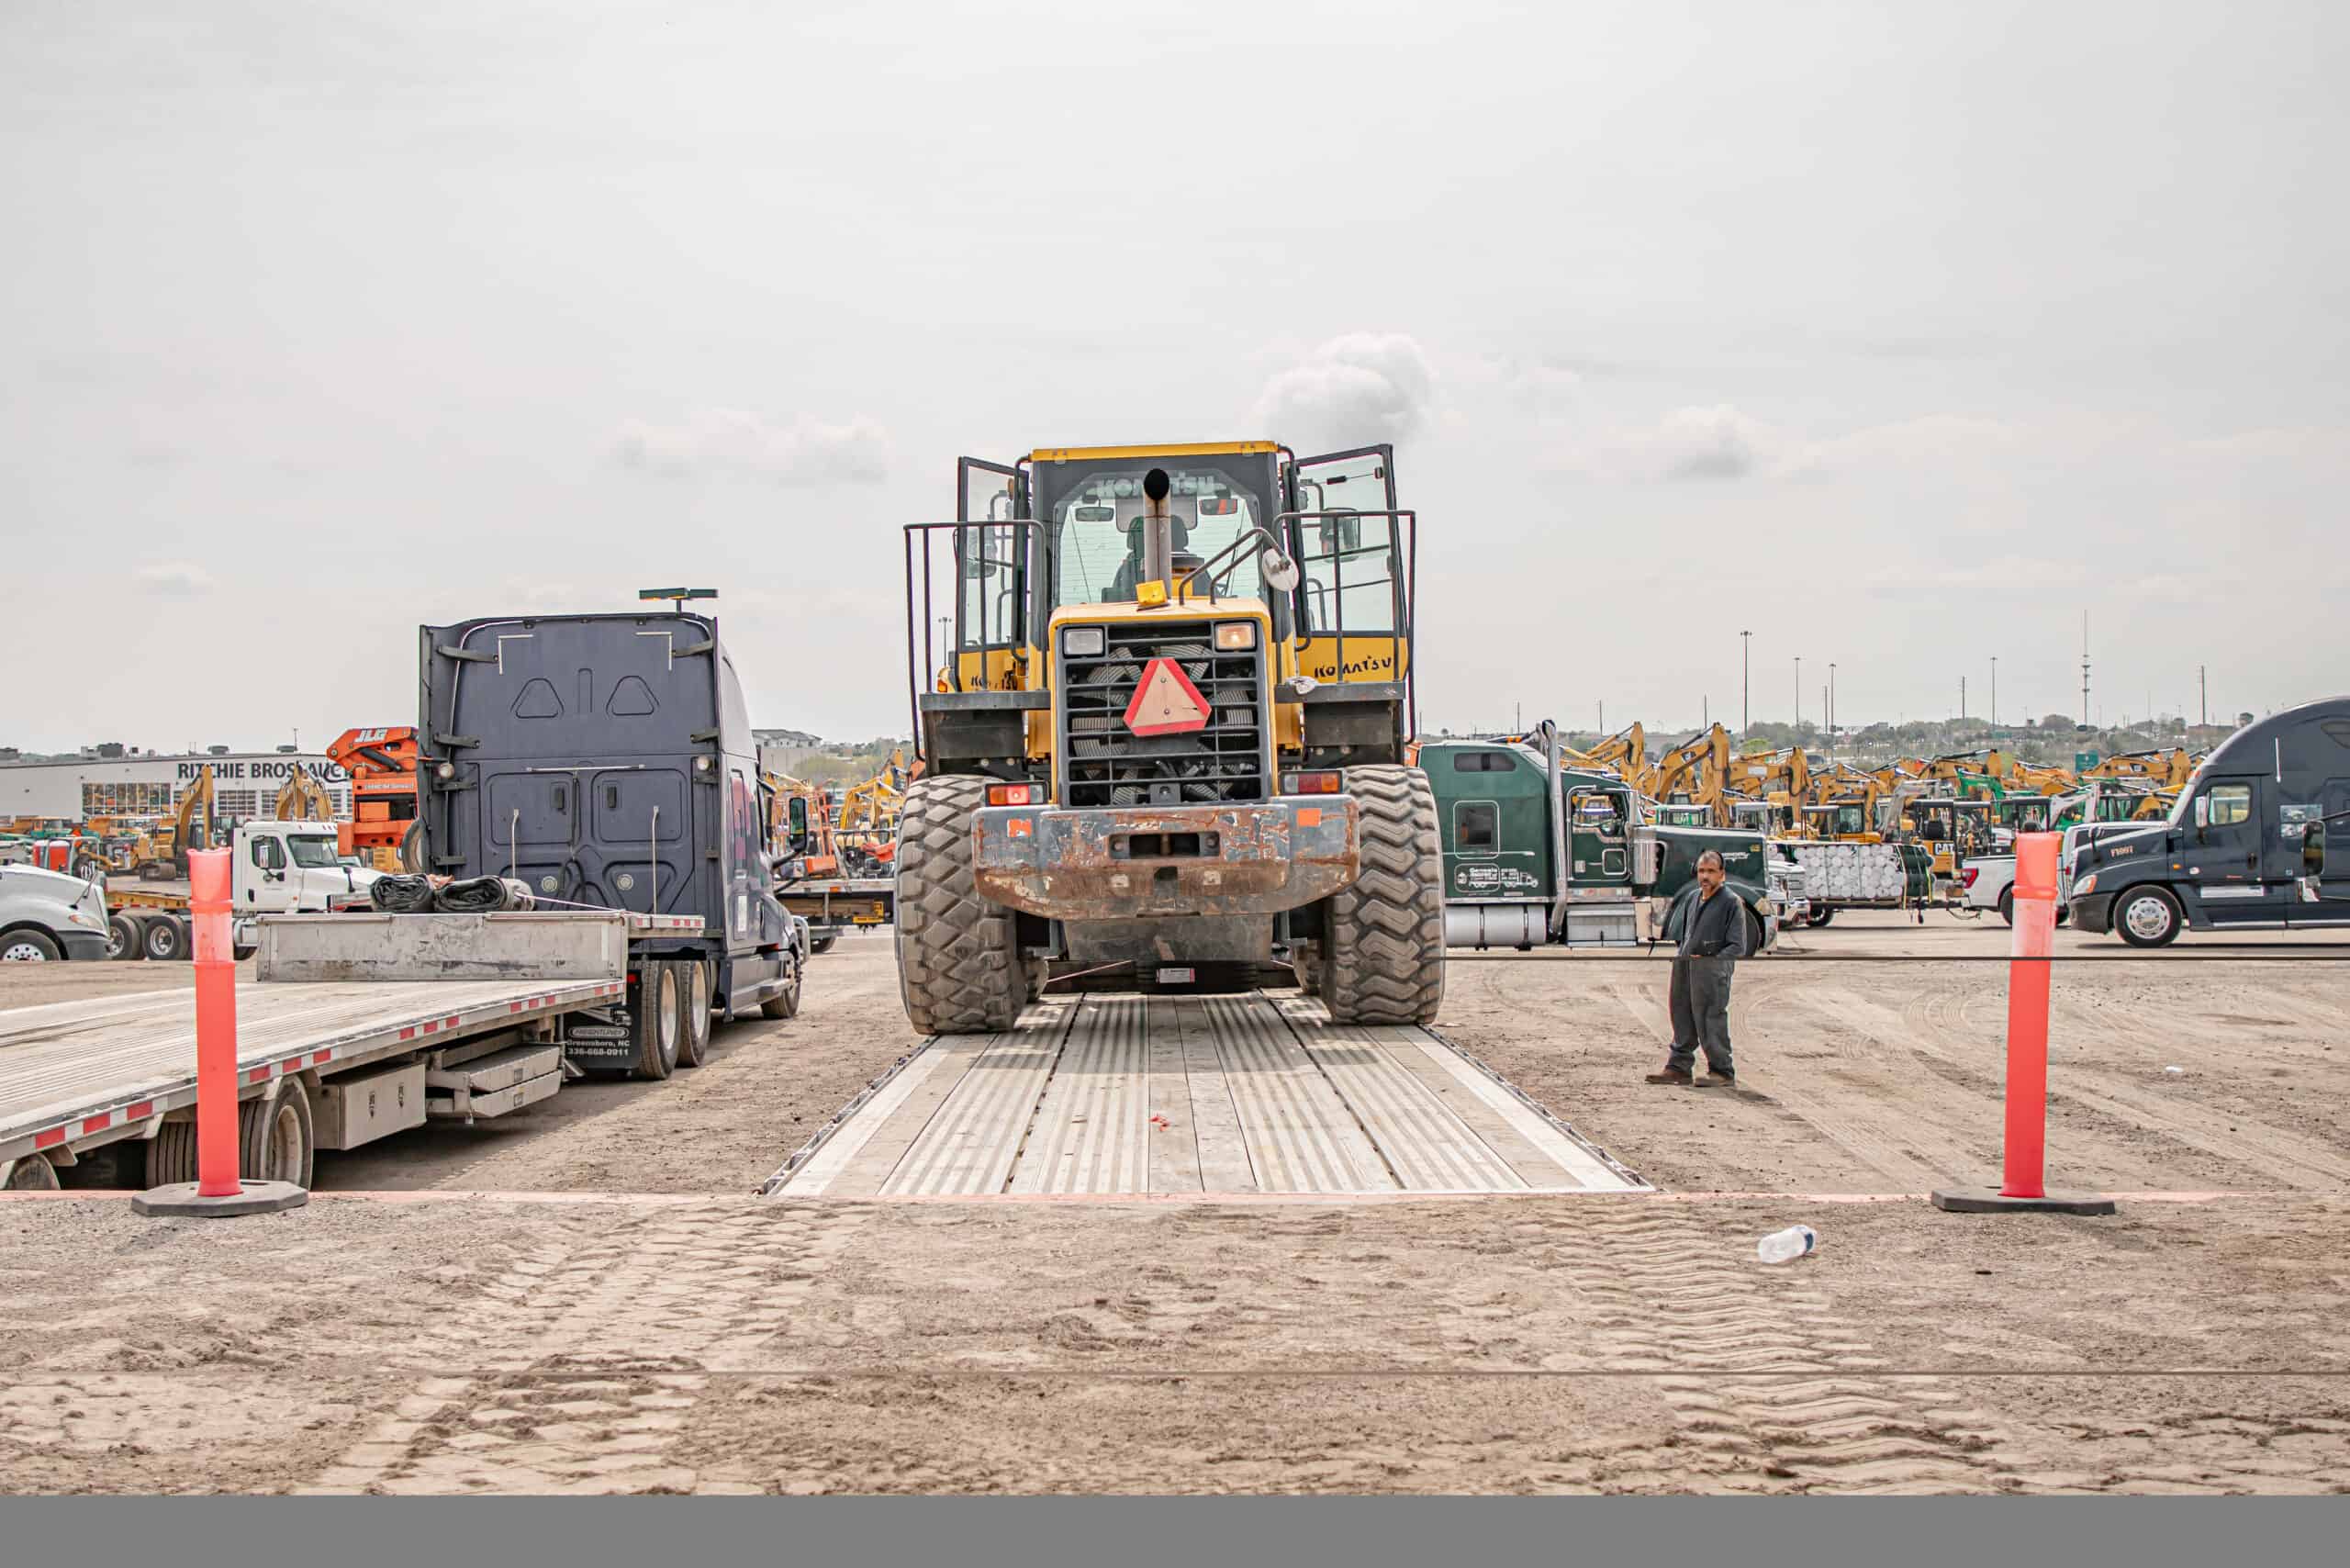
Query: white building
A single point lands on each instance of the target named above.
(244, 785)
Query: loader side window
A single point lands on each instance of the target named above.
(1476, 826)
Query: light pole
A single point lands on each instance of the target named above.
(1745, 664)
(1832, 702)
(1799, 691)
(1995, 691)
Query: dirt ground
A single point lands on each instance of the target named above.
(659, 1331)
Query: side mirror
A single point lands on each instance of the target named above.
(2313, 850)
(2202, 813)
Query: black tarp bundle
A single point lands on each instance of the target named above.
(474, 895)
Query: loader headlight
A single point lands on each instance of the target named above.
(1082, 641)
(1235, 636)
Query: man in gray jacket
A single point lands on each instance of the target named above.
(1711, 926)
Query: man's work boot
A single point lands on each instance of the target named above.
(1718, 1080)
(1670, 1074)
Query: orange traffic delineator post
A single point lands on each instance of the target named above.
(217, 1193)
(2030, 955)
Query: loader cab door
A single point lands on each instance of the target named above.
(1353, 555)
(993, 572)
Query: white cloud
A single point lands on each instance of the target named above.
(176, 579)
(1354, 390)
(802, 451)
(1725, 442)
(2283, 442)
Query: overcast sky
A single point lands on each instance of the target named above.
(1900, 334)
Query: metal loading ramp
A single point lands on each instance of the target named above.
(1194, 1095)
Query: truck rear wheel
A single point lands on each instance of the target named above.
(124, 940)
(822, 941)
(163, 939)
(32, 1174)
(274, 1141)
(413, 846)
(959, 967)
(656, 1014)
(693, 1028)
(1383, 948)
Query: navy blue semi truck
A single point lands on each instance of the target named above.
(2247, 846)
(607, 762)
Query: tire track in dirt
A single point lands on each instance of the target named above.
(584, 1362)
(1823, 1109)
(1660, 1295)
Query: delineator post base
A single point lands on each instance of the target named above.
(1991, 1201)
(180, 1200)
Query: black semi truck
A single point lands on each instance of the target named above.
(2245, 848)
(607, 762)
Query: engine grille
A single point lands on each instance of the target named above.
(1105, 764)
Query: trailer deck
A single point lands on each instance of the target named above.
(77, 1073)
(1194, 1095)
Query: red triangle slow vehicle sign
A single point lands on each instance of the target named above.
(1166, 702)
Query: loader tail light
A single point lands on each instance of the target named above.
(1012, 795)
(1313, 783)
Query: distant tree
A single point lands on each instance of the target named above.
(2056, 722)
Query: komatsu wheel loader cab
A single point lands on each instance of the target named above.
(1163, 695)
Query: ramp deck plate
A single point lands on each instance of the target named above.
(1200, 1095)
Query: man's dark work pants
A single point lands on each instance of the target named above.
(1701, 1013)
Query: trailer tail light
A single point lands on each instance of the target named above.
(1326, 783)
(1013, 795)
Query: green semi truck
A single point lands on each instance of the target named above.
(1512, 816)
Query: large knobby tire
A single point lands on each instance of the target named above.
(2147, 917)
(125, 940)
(959, 967)
(1383, 949)
(657, 1019)
(273, 1138)
(693, 1023)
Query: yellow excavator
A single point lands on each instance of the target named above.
(160, 854)
(303, 800)
(1697, 770)
(1626, 751)
(2167, 768)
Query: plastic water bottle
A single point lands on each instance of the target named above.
(1786, 1246)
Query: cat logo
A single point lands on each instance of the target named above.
(1166, 702)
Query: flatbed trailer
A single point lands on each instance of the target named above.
(349, 1034)
(833, 905)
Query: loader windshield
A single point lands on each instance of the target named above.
(1094, 521)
